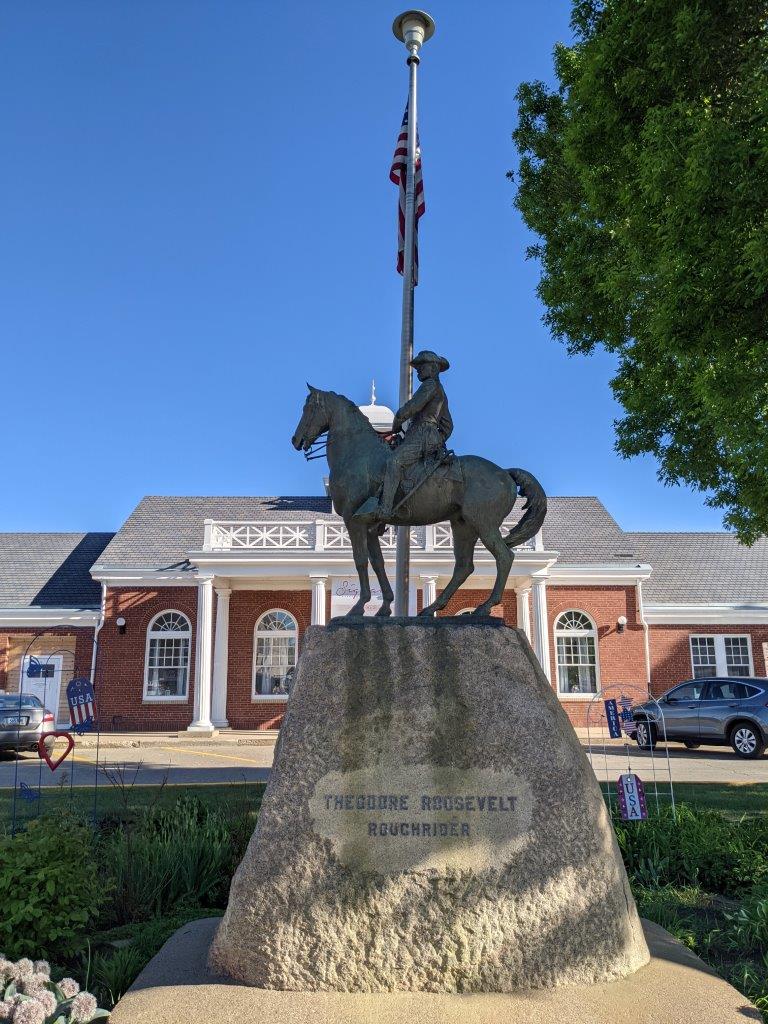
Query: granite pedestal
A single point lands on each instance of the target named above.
(431, 824)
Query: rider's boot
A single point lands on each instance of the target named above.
(388, 491)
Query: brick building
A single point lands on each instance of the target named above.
(192, 614)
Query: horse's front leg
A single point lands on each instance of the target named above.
(358, 535)
(377, 561)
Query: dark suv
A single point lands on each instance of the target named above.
(713, 711)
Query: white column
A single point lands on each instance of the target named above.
(318, 599)
(203, 637)
(541, 625)
(523, 610)
(220, 658)
(428, 590)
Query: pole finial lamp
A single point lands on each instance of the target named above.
(413, 28)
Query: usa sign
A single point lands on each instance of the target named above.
(632, 804)
(82, 704)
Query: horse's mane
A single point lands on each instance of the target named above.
(360, 417)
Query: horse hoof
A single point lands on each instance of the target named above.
(356, 610)
(384, 612)
(428, 612)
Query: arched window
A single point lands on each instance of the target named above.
(576, 643)
(274, 654)
(166, 670)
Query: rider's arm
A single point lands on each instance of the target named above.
(416, 404)
(446, 423)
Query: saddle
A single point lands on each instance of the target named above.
(442, 467)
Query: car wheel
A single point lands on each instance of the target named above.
(645, 736)
(746, 740)
(691, 744)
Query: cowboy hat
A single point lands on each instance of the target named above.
(431, 357)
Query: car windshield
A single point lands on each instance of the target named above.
(18, 700)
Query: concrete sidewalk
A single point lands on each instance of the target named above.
(219, 738)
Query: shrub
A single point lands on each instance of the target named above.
(113, 974)
(169, 858)
(747, 928)
(50, 888)
(699, 847)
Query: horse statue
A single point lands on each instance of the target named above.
(476, 500)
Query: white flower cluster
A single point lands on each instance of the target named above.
(28, 996)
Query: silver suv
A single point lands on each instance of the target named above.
(713, 711)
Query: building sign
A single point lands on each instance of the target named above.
(345, 590)
(612, 716)
(82, 704)
(386, 819)
(631, 797)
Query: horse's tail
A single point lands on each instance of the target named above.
(535, 507)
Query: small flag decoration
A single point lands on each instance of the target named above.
(398, 173)
(82, 702)
(612, 716)
(632, 805)
(627, 721)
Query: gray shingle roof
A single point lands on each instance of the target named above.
(687, 567)
(583, 531)
(50, 570)
(162, 530)
(702, 568)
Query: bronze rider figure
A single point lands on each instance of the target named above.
(430, 427)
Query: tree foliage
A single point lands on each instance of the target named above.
(645, 176)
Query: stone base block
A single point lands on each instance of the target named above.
(675, 987)
(431, 824)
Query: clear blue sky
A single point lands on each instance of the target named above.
(197, 218)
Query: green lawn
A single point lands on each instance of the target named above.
(732, 799)
(113, 801)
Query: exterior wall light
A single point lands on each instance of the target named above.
(621, 623)
(120, 625)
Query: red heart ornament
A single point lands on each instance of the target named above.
(53, 765)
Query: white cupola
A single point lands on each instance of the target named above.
(379, 416)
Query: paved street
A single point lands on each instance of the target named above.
(225, 760)
(707, 764)
(180, 764)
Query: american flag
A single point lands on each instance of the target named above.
(397, 174)
(82, 702)
(81, 713)
(628, 723)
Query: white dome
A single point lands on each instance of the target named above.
(379, 416)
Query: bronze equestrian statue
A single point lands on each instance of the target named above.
(475, 495)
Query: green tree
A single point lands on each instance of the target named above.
(645, 177)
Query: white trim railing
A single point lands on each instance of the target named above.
(321, 535)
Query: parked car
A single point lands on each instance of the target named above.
(717, 712)
(23, 720)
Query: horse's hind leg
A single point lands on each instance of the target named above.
(464, 539)
(491, 537)
(377, 561)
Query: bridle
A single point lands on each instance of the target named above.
(318, 448)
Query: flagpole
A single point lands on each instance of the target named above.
(411, 28)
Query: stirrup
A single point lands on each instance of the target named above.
(369, 512)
